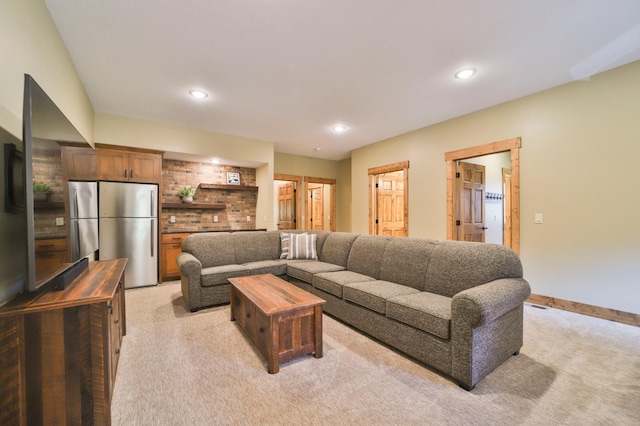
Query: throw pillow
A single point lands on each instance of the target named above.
(285, 237)
(302, 246)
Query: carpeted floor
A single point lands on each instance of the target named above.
(182, 368)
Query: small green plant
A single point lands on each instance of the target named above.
(187, 191)
(41, 187)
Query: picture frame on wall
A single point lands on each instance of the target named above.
(233, 178)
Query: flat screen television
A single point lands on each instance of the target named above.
(44, 129)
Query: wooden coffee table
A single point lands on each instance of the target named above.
(282, 320)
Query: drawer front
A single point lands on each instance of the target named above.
(174, 238)
(54, 244)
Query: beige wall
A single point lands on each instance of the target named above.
(30, 44)
(313, 167)
(579, 145)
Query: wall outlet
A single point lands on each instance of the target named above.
(59, 221)
(215, 218)
(172, 219)
(538, 218)
(248, 218)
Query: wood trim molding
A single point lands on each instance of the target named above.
(299, 190)
(512, 145)
(584, 309)
(332, 195)
(389, 168)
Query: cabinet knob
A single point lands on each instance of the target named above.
(117, 351)
(117, 320)
(248, 314)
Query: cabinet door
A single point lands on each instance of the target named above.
(79, 163)
(171, 248)
(113, 165)
(145, 167)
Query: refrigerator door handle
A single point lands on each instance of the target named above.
(75, 202)
(76, 255)
(151, 202)
(152, 239)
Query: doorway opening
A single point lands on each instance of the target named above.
(511, 238)
(320, 203)
(288, 195)
(389, 200)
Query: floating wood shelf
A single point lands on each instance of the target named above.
(228, 187)
(213, 206)
(48, 205)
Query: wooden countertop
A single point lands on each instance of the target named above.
(98, 282)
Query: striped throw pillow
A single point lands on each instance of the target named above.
(285, 237)
(302, 246)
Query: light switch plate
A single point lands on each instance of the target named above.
(172, 219)
(538, 218)
(59, 221)
(215, 218)
(248, 218)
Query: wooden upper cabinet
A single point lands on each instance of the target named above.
(129, 166)
(79, 163)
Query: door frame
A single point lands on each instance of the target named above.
(373, 196)
(512, 145)
(332, 196)
(298, 182)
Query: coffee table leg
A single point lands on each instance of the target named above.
(317, 316)
(273, 346)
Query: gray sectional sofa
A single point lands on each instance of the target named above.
(455, 306)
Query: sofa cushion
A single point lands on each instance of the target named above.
(366, 254)
(455, 266)
(332, 282)
(425, 311)
(405, 261)
(374, 294)
(276, 267)
(211, 248)
(253, 246)
(302, 246)
(217, 275)
(285, 238)
(336, 248)
(305, 270)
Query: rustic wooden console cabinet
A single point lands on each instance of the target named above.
(59, 350)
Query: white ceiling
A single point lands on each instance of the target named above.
(286, 71)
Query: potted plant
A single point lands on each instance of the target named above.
(41, 191)
(187, 194)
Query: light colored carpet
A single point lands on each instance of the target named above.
(182, 368)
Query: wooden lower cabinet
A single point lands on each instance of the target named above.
(50, 253)
(171, 247)
(59, 350)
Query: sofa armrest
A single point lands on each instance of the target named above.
(189, 265)
(484, 303)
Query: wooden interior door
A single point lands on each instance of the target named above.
(506, 206)
(391, 204)
(315, 207)
(471, 188)
(286, 206)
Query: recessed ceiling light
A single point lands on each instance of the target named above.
(198, 94)
(339, 128)
(318, 148)
(214, 161)
(465, 73)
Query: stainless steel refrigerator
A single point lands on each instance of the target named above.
(129, 229)
(83, 218)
